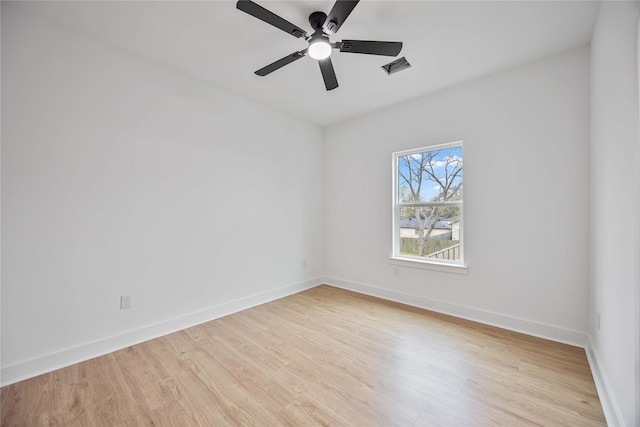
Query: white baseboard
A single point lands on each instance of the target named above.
(503, 321)
(41, 365)
(609, 406)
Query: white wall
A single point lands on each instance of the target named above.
(121, 177)
(615, 197)
(526, 198)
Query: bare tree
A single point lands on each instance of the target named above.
(440, 170)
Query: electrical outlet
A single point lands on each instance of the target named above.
(304, 263)
(598, 320)
(125, 301)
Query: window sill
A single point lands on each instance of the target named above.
(429, 265)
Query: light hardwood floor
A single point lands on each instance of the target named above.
(321, 357)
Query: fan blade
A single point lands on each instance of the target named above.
(329, 76)
(269, 17)
(371, 47)
(339, 13)
(281, 63)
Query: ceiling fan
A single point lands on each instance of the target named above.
(319, 45)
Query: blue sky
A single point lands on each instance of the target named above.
(444, 161)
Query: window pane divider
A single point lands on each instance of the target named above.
(429, 204)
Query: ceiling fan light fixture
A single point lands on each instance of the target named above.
(319, 48)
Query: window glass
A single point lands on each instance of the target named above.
(428, 204)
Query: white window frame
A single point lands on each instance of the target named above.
(416, 261)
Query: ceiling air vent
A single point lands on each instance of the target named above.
(397, 65)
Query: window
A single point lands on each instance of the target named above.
(427, 205)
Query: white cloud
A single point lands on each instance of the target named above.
(452, 161)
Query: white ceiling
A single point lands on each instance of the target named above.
(446, 42)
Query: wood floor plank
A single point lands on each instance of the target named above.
(323, 357)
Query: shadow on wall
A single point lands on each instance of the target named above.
(637, 334)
